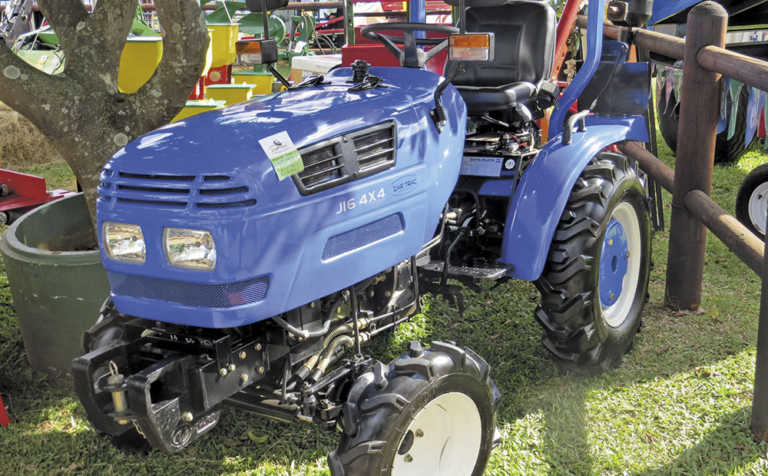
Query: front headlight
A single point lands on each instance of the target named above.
(124, 242)
(190, 249)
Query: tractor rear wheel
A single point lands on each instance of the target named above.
(433, 413)
(595, 282)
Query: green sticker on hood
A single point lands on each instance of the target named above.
(283, 154)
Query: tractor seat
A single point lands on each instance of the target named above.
(486, 99)
(525, 34)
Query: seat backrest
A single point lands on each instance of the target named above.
(525, 36)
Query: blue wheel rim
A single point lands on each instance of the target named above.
(614, 258)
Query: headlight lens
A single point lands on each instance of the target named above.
(124, 242)
(190, 249)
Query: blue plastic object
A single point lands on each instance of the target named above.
(613, 263)
(535, 209)
(417, 13)
(277, 249)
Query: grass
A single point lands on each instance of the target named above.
(680, 404)
(21, 143)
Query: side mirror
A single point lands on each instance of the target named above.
(253, 52)
(264, 5)
(471, 47)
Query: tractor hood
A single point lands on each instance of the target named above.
(222, 147)
(377, 174)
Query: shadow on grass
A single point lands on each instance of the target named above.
(43, 443)
(715, 453)
(499, 326)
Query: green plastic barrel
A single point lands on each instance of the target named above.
(56, 278)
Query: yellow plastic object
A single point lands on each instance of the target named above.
(262, 82)
(208, 57)
(192, 108)
(230, 93)
(138, 62)
(223, 39)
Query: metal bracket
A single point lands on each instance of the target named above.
(581, 118)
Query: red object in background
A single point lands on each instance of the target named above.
(199, 91)
(25, 191)
(4, 420)
(564, 29)
(219, 75)
(378, 55)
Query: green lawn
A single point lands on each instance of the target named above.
(680, 404)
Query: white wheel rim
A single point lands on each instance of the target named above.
(758, 206)
(446, 436)
(618, 312)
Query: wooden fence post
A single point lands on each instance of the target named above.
(759, 421)
(699, 113)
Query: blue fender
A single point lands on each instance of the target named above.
(537, 205)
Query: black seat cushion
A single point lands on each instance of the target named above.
(486, 99)
(525, 35)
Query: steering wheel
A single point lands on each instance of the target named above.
(409, 56)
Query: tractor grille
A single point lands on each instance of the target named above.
(347, 157)
(175, 191)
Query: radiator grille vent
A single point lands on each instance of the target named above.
(191, 294)
(348, 157)
(174, 191)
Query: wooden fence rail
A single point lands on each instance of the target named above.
(737, 237)
(746, 69)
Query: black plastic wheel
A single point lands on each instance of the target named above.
(726, 151)
(729, 150)
(669, 117)
(430, 412)
(752, 200)
(595, 282)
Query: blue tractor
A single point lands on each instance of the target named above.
(247, 269)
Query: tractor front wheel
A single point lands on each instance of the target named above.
(431, 412)
(595, 282)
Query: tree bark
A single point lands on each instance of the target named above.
(81, 109)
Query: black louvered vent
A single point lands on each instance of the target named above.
(174, 191)
(322, 165)
(375, 150)
(348, 157)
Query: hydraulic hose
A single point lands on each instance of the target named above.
(304, 334)
(307, 367)
(329, 354)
